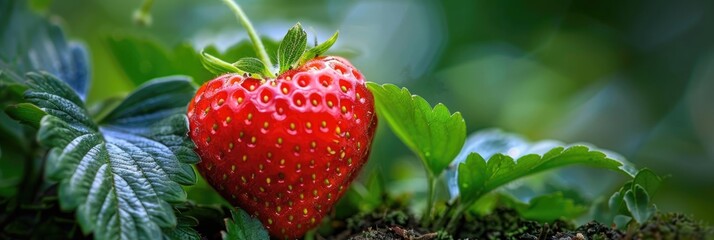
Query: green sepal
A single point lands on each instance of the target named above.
(26, 113)
(319, 49)
(253, 66)
(291, 48)
(218, 66)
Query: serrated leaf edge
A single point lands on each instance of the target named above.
(419, 103)
(46, 132)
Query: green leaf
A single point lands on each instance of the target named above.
(477, 176)
(645, 179)
(621, 221)
(616, 202)
(26, 113)
(488, 142)
(243, 227)
(473, 175)
(253, 66)
(218, 66)
(638, 202)
(119, 174)
(32, 43)
(16, 147)
(435, 135)
(144, 58)
(318, 50)
(183, 230)
(368, 196)
(292, 47)
(550, 207)
(648, 180)
(11, 92)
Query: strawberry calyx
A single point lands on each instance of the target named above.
(292, 53)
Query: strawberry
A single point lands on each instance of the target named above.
(284, 149)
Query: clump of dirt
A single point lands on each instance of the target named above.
(592, 230)
(383, 224)
(398, 233)
(505, 223)
(672, 226)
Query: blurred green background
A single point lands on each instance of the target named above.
(635, 77)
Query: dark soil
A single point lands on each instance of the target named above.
(49, 222)
(507, 224)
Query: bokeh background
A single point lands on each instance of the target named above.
(635, 77)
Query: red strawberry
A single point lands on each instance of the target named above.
(284, 149)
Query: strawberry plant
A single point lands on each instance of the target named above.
(268, 139)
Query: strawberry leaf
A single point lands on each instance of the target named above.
(243, 227)
(493, 141)
(551, 207)
(477, 176)
(318, 50)
(183, 230)
(292, 47)
(649, 182)
(121, 173)
(26, 113)
(638, 202)
(616, 203)
(434, 134)
(546, 208)
(32, 43)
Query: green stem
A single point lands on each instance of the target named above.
(439, 224)
(426, 219)
(257, 44)
(455, 217)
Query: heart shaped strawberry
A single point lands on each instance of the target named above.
(284, 149)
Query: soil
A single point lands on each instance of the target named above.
(389, 224)
(505, 223)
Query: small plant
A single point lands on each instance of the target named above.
(633, 201)
(437, 136)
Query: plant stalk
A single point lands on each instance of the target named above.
(450, 227)
(426, 219)
(439, 224)
(257, 44)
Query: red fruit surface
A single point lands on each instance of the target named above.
(284, 150)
